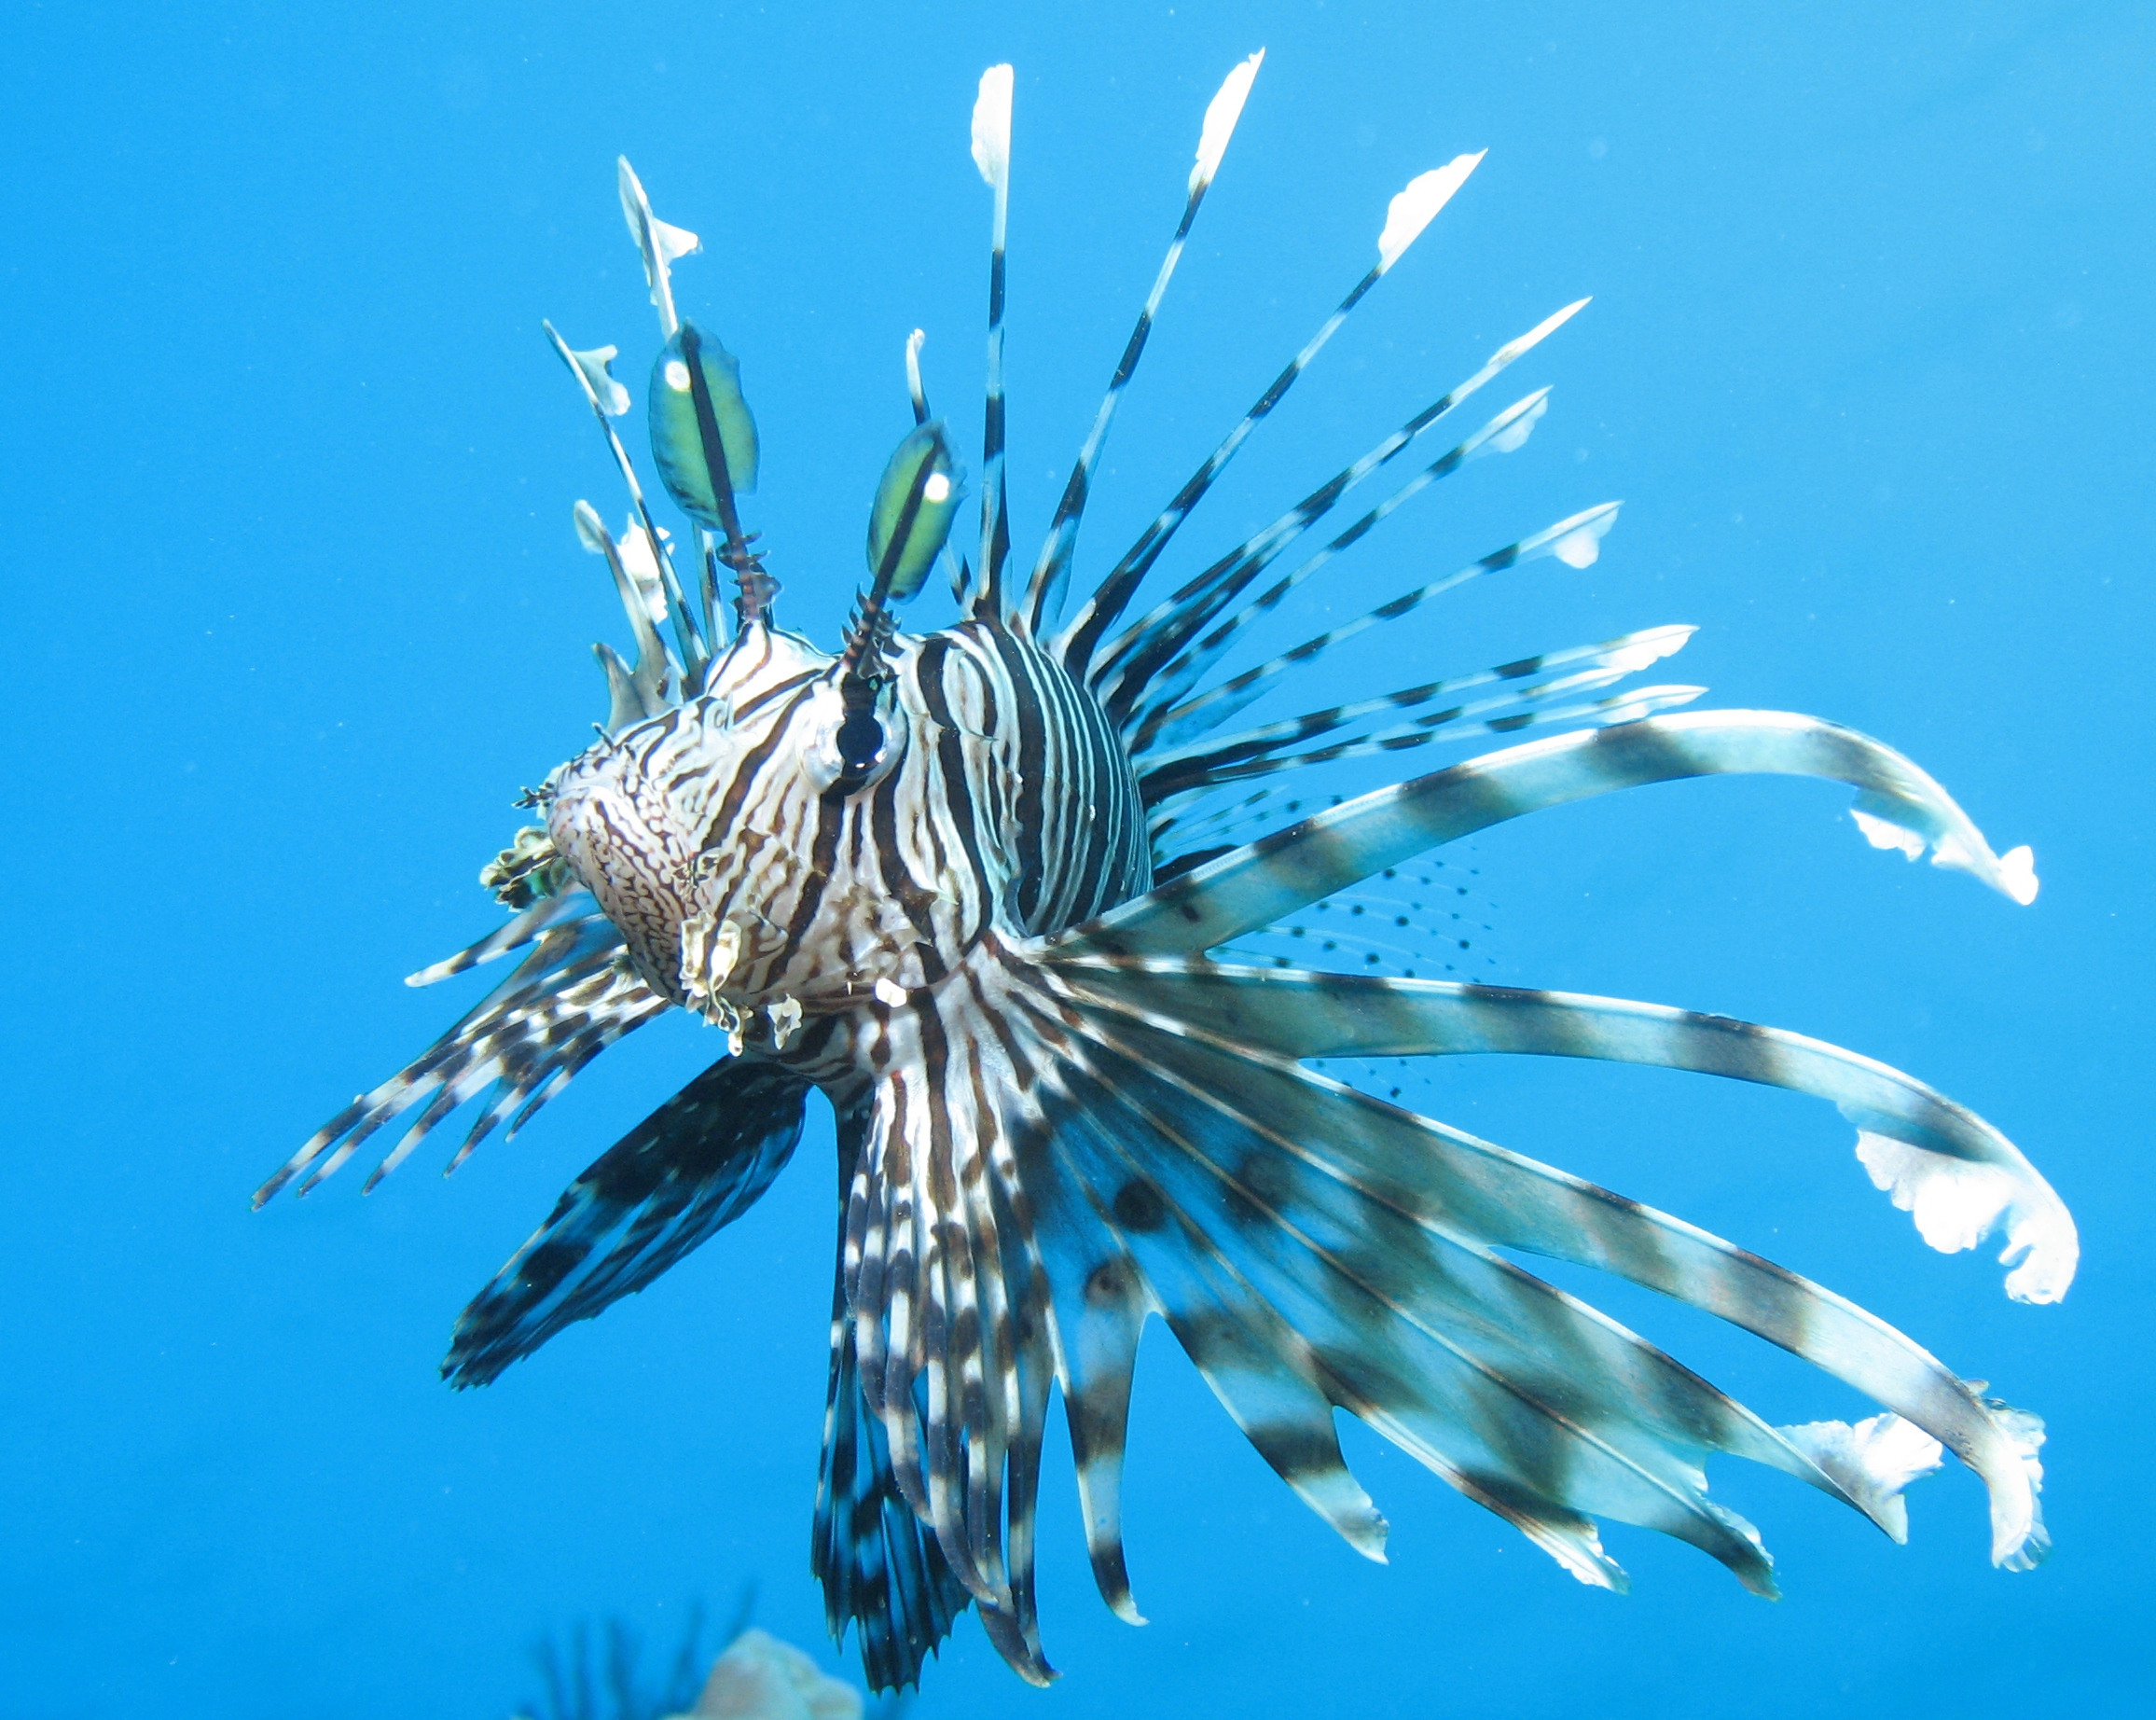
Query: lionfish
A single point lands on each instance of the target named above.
(975, 888)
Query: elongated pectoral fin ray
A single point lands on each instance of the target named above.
(1098, 1311)
(1391, 1167)
(1979, 1180)
(577, 904)
(1259, 1367)
(670, 1185)
(563, 1003)
(1295, 1285)
(1873, 1461)
(1261, 882)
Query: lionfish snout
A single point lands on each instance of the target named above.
(619, 834)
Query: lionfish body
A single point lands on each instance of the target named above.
(968, 886)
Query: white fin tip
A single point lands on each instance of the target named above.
(992, 126)
(1577, 542)
(590, 528)
(1416, 206)
(1539, 332)
(1871, 1462)
(2014, 874)
(612, 396)
(1220, 114)
(1956, 1202)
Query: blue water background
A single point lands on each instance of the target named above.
(295, 608)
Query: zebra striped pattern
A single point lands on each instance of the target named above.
(1061, 1110)
(1045, 591)
(993, 156)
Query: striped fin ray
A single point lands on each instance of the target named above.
(1967, 1176)
(578, 906)
(583, 1022)
(1166, 787)
(1414, 208)
(1167, 613)
(1161, 665)
(976, 1275)
(1213, 829)
(1296, 1286)
(1898, 804)
(1451, 1185)
(879, 1572)
(1574, 540)
(1175, 742)
(1045, 591)
(674, 1182)
(1261, 1367)
(917, 397)
(1098, 1308)
(915, 1296)
(1129, 673)
(1255, 751)
(1017, 1633)
(607, 399)
(991, 143)
(565, 1002)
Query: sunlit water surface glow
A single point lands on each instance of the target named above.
(297, 608)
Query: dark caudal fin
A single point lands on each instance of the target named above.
(680, 1176)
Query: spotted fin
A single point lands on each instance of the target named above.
(675, 1181)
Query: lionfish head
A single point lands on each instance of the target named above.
(691, 820)
(695, 828)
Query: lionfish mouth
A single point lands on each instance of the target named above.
(921, 878)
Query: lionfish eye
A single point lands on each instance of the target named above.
(859, 743)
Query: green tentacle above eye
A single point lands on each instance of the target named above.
(915, 502)
(703, 434)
